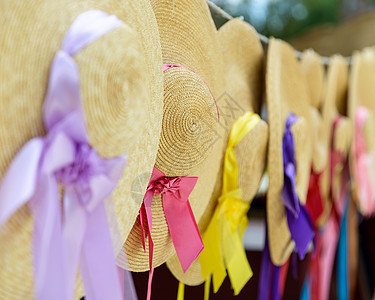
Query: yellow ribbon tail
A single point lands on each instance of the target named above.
(238, 267)
(207, 286)
(211, 258)
(181, 291)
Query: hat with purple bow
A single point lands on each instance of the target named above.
(74, 104)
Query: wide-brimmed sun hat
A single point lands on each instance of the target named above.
(115, 100)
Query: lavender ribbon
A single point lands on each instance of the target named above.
(77, 232)
(299, 221)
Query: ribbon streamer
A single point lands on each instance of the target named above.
(78, 235)
(223, 238)
(182, 226)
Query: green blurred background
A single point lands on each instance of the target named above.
(287, 18)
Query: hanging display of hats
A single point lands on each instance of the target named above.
(190, 140)
(361, 111)
(132, 136)
(243, 58)
(113, 99)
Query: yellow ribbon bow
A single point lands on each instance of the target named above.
(224, 251)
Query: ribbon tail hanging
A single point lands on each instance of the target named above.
(238, 266)
(98, 266)
(183, 229)
(49, 267)
(211, 258)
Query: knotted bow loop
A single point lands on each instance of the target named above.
(223, 236)
(299, 222)
(364, 160)
(234, 208)
(79, 235)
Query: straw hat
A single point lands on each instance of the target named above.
(313, 69)
(362, 93)
(243, 58)
(287, 92)
(335, 105)
(190, 141)
(114, 100)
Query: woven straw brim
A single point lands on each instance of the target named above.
(129, 194)
(113, 97)
(287, 92)
(190, 141)
(362, 93)
(335, 104)
(243, 58)
(313, 69)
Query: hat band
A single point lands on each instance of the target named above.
(180, 218)
(222, 239)
(78, 235)
(166, 67)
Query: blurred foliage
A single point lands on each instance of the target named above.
(285, 18)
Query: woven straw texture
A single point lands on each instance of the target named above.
(286, 91)
(129, 194)
(313, 69)
(243, 58)
(190, 141)
(113, 98)
(335, 104)
(362, 93)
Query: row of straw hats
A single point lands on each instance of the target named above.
(169, 119)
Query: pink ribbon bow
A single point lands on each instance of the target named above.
(76, 232)
(363, 162)
(182, 226)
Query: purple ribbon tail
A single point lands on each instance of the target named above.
(49, 269)
(98, 267)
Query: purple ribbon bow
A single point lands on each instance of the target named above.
(74, 232)
(299, 221)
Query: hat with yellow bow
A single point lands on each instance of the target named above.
(339, 129)
(188, 155)
(225, 218)
(67, 59)
(361, 112)
(288, 101)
